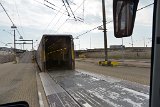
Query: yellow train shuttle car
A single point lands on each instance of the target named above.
(56, 52)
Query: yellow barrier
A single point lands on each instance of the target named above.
(108, 63)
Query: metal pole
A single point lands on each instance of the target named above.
(132, 41)
(79, 44)
(14, 44)
(90, 41)
(105, 30)
(122, 50)
(23, 46)
(32, 45)
(144, 42)
(155, 58)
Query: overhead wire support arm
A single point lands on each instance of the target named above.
(66, 7)
(19, 20)
(70, 9)
(18, 32)
(69, 17)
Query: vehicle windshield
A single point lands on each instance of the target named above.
(55, 53)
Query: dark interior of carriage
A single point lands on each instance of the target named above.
(58, 52)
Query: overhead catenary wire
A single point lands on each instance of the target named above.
(91, 30)
(66, 7)
(52, 19)
(83, 9)
(145, 6)
(58, 20)
(78, 19)
(61, 25)
(50, 2)
(69, 17)
(111, 21)
(7, 13)
(2, 42)
(70, 9)
(51, 7)
(19, 19)
(11, 35)
(10, 18)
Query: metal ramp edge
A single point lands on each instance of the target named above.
(56, 95)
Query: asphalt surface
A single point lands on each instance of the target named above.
(26, 57)
(134, 74)
(142, 63)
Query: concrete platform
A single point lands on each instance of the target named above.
(18, 83)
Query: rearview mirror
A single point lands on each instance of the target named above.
(124, 13)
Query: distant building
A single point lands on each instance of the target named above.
(117, 46)
(4, 51)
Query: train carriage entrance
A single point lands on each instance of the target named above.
(58, 52)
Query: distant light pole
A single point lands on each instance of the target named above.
(79, 42)
(14, 27)
(90, 41)
(132, 41)
(23, 44)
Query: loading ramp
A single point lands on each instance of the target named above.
(81, 88)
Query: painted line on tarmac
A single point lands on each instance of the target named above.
(40, 99)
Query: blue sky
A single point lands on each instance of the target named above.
(33, 19)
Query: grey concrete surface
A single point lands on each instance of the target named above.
(18, 83)
(26, 57)
(6, 58)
